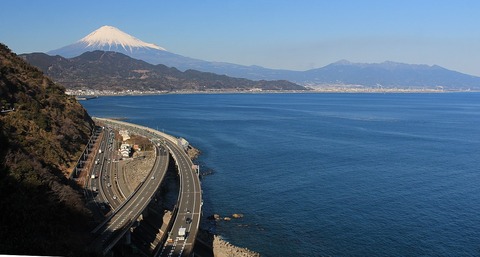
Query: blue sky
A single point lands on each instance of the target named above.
(295, 34)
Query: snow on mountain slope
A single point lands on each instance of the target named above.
(113, 37)
(108, 38)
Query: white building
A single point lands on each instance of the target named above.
(125, 149)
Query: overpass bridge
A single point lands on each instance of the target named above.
(125, 215)
(187, 211)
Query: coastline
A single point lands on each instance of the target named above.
(220, 247)
(217, 246)
(89, 94)
(338, 100)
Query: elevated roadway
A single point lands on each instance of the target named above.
(187, 212)
(188, 207)
(103, 183)
(125, 215)
(107, 177)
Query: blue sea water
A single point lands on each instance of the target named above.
(330, 174)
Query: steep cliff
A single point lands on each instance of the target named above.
(43, 132)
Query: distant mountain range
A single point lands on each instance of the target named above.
(386, 74)
(389, 74)
(100, 70)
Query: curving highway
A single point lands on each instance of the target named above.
(103, 184)
(125, 215)
(125, 212)
(188, 209)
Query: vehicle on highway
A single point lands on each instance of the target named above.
(181, 233)
(188, 220)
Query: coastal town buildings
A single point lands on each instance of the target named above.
(125, 150)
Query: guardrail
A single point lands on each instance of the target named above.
(167, 136)
(174, 144)
(134, 217)
(84, 154)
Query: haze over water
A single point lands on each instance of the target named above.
(330, 174)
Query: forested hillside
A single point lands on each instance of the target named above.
(42, 134)
(101, 70)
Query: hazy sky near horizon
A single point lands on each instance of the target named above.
(293, 34)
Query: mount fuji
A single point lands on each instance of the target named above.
(108, 38)
(387, 74)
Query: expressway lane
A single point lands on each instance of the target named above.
(94, 179)
(109, 179)
(189, 208)
(128, 212)
(91, 186)
(188, 212)
(103, 171)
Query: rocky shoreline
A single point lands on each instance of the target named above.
(222, 248)
(193, 152)
(143, 161)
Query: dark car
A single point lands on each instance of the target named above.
(188, 220)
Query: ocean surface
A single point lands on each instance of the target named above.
(330, 174)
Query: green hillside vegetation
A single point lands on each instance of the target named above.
(42, 135)
(115, 71)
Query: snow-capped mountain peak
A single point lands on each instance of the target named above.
(111, 37)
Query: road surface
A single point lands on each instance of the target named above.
(189, 205)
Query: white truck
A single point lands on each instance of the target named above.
(181, 233)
